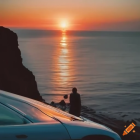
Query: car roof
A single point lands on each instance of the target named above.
(51, 111)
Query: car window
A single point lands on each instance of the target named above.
(9, 117)
(32, 113)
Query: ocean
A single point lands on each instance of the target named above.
(104, 66)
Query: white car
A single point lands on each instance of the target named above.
(24, 118)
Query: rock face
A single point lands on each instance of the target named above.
(14, 77)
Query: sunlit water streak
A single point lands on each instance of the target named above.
(104, 68)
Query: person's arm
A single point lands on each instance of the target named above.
(70, 99)
(79, 100)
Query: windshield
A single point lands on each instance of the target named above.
(30, 107)
(30, 112)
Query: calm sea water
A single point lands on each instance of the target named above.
(104, 66)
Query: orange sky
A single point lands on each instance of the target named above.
(79, 14)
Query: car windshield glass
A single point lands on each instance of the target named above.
(34, 108)
(32, 113)
(9, 117)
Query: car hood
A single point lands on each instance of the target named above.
(79, 129)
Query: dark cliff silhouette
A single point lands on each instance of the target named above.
(14, 77)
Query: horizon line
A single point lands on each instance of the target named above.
(39, 29)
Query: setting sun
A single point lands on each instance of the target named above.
(64, 25)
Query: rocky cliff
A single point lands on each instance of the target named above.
(14, 77)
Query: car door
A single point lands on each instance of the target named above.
(13, 126)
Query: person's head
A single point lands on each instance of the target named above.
(65, 96)
(74, 90)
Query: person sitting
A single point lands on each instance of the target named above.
(53, 104)
(75, 103)
(63, 105)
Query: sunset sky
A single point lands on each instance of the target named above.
(74, 14)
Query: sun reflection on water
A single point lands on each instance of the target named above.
(62, 66)
(63, 60)
(63, 38)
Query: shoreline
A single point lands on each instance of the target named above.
(113, 123)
